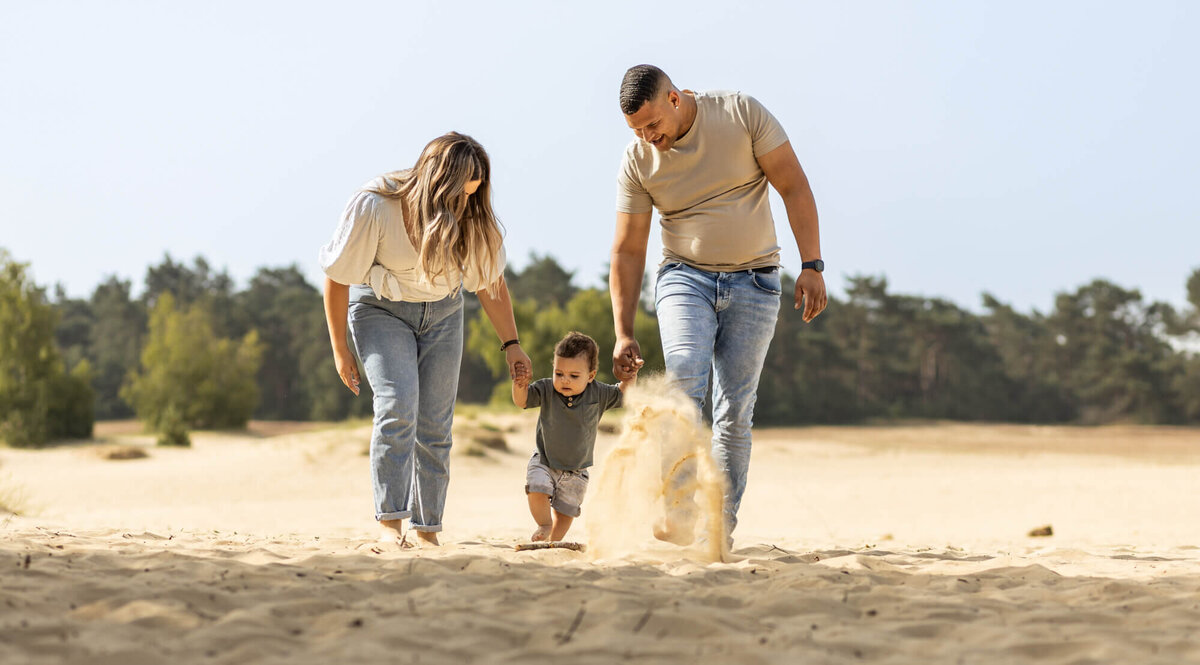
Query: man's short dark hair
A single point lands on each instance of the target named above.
(641, 84)
(577, 344)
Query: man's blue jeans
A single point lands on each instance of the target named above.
(410, 353)
(719, 325)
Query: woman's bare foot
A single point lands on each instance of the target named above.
(391, 531)
(542, 533)
(422, 539)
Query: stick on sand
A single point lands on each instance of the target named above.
(578, 547)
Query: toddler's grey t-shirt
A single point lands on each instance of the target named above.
(566, 428)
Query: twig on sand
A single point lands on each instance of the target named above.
(559, 544)
(642, 622)
(574, 624)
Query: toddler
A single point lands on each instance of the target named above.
(571, 404)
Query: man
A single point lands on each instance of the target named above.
(704, 160)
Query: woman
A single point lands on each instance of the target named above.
(408, 243)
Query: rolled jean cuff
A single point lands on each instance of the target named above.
(425, 529)
(398, 515)
(566, 508)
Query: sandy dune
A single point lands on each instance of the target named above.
(890, 545)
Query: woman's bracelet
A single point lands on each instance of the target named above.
(504, 346)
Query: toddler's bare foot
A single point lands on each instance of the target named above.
(542, 533)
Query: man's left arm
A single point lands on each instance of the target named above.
(784, 173)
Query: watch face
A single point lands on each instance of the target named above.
(819, 265)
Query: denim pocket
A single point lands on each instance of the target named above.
(668, 267)
(767, 281)
(356, 310)
(664, 269)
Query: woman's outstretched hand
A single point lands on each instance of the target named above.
(519, 364)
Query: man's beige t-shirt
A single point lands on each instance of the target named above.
(708, 188)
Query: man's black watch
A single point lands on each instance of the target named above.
(816, 264)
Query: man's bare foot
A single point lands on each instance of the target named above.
(542, 533)
(391, 531)
(673, 535)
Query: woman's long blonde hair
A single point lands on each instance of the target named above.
(451, 231)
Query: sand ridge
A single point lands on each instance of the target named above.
(107, 596)
(851, 548)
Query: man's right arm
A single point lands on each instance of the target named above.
(625, 287)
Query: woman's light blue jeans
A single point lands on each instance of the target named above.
(719, 325)
(410, 353)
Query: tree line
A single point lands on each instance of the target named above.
(193, 351)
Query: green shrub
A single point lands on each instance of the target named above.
(172, 431)
(189, 377)
(72, 404)
(39, 400)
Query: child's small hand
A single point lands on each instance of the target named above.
(521, 375)
(633, 374)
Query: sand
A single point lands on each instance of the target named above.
(659, 482)
(865, 544)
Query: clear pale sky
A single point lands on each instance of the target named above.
(1018, 148)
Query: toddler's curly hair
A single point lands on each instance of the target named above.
(577, 344)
